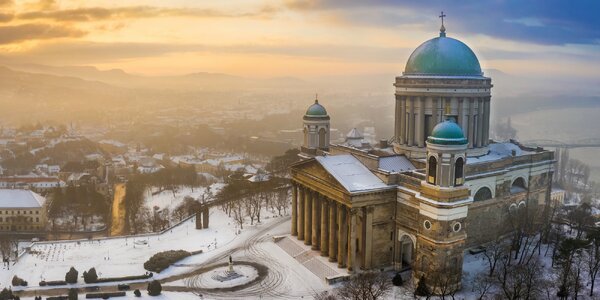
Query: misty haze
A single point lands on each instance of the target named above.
(293, 149)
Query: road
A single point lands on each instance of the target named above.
(117, 224)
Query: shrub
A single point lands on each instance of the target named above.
(124, 278)
(422, 289)
(163, 260)
(6, 294)
(16, 281)
(73, 294)
(397, 281)
(90, 276)
(137, 293)
(71, 276)
(154, 288)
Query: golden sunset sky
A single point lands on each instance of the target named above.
(269, 38)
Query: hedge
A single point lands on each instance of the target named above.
(104, 295)
(52, 283)
(162, 260)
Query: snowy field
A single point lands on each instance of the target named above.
(170, 200)
(125, 256)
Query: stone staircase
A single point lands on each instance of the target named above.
(310, 259)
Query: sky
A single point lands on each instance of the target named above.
(304, 39)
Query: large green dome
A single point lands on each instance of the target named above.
(447, 133)
(316, 110)
(443, 56)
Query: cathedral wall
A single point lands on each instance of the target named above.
(494, 213)
(383, 245)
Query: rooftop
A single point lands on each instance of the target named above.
(350, 173)
(20, 199)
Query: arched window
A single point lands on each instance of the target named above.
(322, 135)
(482, 194)
(432, 168)
(458, 171)
(518, 186)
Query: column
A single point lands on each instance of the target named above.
(486, 129)
(439, 109)
(397, 119)
(480, 120)
(323, 244)
(369, 238)
(411, 122)
(403, 120)
(459, 114)
(342, 236)
(351, 239)
(421, 125)
(316, 221)
(471, 122)
(294, 209)
(301, 204)
(307, 217)
(332, 231)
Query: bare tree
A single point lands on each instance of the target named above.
(482, 285)
(324, 295)
(520, 281)
(443, 282)
(494, 251)
(366, 286)
(6, 249)
(592, 255)
(239, 213)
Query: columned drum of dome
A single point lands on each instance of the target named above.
(442, 78)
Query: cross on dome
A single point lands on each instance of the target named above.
(442, 28)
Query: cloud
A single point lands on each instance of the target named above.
(18, 33)
(5, 17)
(550, 22)
(5, 3)
(100, 13)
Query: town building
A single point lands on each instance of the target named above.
(439, 187)
(22, 210)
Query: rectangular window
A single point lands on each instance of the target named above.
(391, 236)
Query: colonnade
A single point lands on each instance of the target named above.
(327, 226)
(415, 115)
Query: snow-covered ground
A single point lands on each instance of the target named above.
(121, 256)
(170, 200)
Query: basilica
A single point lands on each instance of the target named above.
(438, 188)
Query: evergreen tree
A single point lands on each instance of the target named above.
(71, 276)
(154, 288)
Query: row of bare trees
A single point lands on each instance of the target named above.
(242, 199)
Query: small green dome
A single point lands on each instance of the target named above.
(447, 133)
(316, 110)
(443, 56)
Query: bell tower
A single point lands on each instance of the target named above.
(443, 208)
(315, 129)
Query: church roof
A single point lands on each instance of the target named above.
(396, 163)
(350, 173)
(316, 110)
(443, 56)
(447, 133)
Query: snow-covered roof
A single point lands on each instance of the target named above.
(498, 151)
(396, 163)
(350, 173)
(20, 199)
(354, 134)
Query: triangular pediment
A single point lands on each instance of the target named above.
(314, 174)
